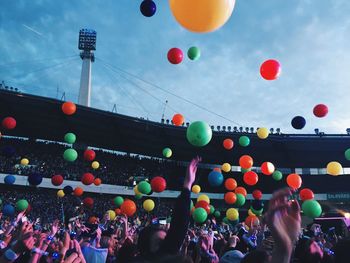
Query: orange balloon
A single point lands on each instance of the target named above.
(92, 219)
(97, 181)
(69, 108)
(251, 220)
(230, 198)
(178, 119)
(294, 181)
(78, 191)
(241, 190)
(228, 144)
(128, 207)
(267, 168)
(246, 161)
(230, 184)
(118, 211)
(217, 169)
(250, 178)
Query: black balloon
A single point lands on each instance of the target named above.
(68, 190)
(35, 179)
(298, 122)
(148, 8)
(257, 205)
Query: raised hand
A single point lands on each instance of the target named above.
(191, 173)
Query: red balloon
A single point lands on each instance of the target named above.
(230, 184)
(241, 190)
(97, 181)
(128, 207)
(228, 144)
(250, 178)
(87, 178)
(178, 119)
(69, 108)
(92, 219)
(267, 168)
(320, 110)
(257, 194)
(78, 191)
(57, 180)
(306, 194)
(88, 202)
(158, 184)
(294, 181)
(118, 211)
(230, 198)
(89, 155)
(175, 55)
(246, 161)
(270, 69)
(251, 220)
(204, 205)
(9, 123)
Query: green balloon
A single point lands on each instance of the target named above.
(199, 215)
(243, 171)
(244, 141)
(212, 209)
(311, 208)
(144, 187)
(70, 155)
(225, 220)
(194, 53)
(277, 175)
(240, 200)
(347, 154)
(217, 214)
(21, 205)
(257, 212)
(167, 152)
(118, 201)
(138, 196)
(70, 138)
(199, 133)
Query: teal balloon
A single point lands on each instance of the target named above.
(217, 214)
(244, 141)
(144, 187)
(215, 178)
(167, 152)
(70, 138)
(212, 209)
(199, 215)
(138, 196)
(277, 175)
(118, 201)
(243, 171)
(257, 212)
(225, 220)
(311, 208)
(347, 154)
(70, 155)
(199, 133)
(193, 53)
(240, 201)
(21, 205)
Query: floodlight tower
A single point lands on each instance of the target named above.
(87, 43)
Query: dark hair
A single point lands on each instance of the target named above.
(256, 256)
(144, 240)
(342, 251)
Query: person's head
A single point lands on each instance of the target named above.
(233, 256)
(150, 239)
(308, 251)
(256, 256)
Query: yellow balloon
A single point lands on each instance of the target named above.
(250, 213)
(196, 189)
(203, 197)
(111, 214)
(202, 16)
(136, 191)
(95, 165)
(232, 214)
(334, 168)
(263, 133)
(60, 193)
(24, 161)
(226, 167)
(148, 205)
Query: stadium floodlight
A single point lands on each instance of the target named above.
(87, 39)
(348, 131)
(247, 129)
(317, 131)
(271, 130)
(278, 130)
(251, 129)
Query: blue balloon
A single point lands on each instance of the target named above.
(148, 8)
(8, 210)
(298, 122)
(35, 179)
(9, 179)
(215, 178)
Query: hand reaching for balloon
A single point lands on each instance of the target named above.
(191, 173)
(283, 220)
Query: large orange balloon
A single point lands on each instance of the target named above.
(246, 161)
(230, 184)
(294, 181)
(241, 190)
(69, 108)
(250, 178)
(230, 198)
(128, 207)
(267, 168)
(202, 16)
(251, 220)
(178, 119)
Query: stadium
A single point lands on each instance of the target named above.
(95, 175)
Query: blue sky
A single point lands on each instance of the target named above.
(310, 38)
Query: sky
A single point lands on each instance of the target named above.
(310, 38)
